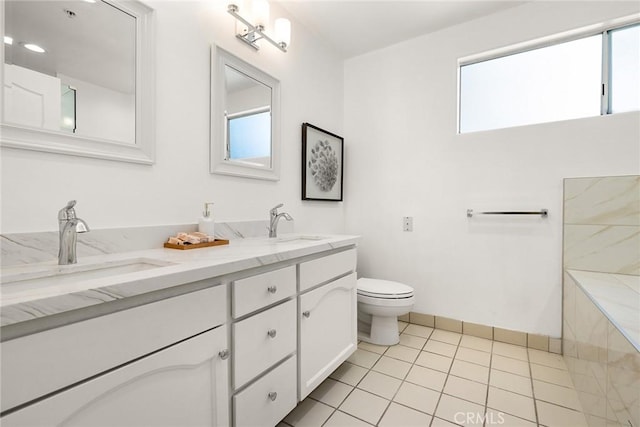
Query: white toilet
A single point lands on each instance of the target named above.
(380, 302)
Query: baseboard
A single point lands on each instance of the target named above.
(524, 339)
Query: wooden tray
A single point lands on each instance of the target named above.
(217, 242)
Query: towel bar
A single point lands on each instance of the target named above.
(542, 212)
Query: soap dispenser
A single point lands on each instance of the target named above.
(205, 223)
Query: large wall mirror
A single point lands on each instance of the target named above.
(78, 78)
(245, 130)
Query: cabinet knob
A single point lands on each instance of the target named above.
(224, 354)
(271, 333)
(272, 289)
(306, 314)
(273, 396)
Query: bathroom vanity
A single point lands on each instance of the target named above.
(220, 336)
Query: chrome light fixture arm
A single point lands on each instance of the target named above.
(254, 32)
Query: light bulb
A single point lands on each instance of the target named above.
(283, 31)
(260, 11)
(34, 48)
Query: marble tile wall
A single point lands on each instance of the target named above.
(602, 224)
(601, 234)
(24, 248)
(604, 365)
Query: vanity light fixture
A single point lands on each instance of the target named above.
(8, 40)
(251, 33)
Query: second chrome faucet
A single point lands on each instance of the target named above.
(274, 217)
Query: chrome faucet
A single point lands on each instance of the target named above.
(274, 217)
(69, 226)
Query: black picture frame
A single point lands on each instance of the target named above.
(322, 164)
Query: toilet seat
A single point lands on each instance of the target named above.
(383, 289)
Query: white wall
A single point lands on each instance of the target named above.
(404, 158)
(111, 194)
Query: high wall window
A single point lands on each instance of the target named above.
(593, 75)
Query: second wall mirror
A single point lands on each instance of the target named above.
(245, 122)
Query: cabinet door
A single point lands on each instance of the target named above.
(183, 385)
(328, 331)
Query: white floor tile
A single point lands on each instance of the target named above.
(398, 415)
(553, 415)
(340, 419)
(466, 389)
(510, 382)
(392, 367)
(331, 392)
(417, 397)
(417, 330)
(365, 406)
(558, 395)
(402, 352)
(458, 411)
(510, 350)
(434, 361)
(412, 341)
(476, 343)
(474, 356)
(446, 336)
(427, 377)
(309, 413)
(363, 358)
(511, 403)
(380, 384)
(440, 347)
(349, 373)
(470, 371)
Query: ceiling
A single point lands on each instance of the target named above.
(95, 43)
(359, 26)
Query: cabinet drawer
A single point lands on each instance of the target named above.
(269, 399)
(44, 362)
(259, 291)
(326, 268)
(254, 349)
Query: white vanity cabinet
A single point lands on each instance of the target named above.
(162, 363)
(183, 385)
(328, 317)
(239, 349)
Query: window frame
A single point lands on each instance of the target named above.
(604, 29)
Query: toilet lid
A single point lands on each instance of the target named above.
(383, 288)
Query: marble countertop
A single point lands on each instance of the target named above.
(21, 305)
(617, 296)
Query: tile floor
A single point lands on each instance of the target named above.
(438, 378)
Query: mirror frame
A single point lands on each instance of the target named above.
(143, 150)
(219, 164)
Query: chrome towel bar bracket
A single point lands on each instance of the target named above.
(542, 212)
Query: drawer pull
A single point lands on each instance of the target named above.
(271, 333)
(273, 396)
(224, 354)
(306, 314)
(272, 289)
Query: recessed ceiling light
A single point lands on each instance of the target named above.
(8, 40)
(34, 48)
(90, 1)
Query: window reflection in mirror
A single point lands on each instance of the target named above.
(248, 119)
(89, 49)
(245, 118)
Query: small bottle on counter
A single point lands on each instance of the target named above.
(205, 222)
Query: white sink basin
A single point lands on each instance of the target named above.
(298, 237)
(21, 280)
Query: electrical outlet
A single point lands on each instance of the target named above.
(407, 223)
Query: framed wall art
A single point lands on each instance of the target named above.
(322, 164)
